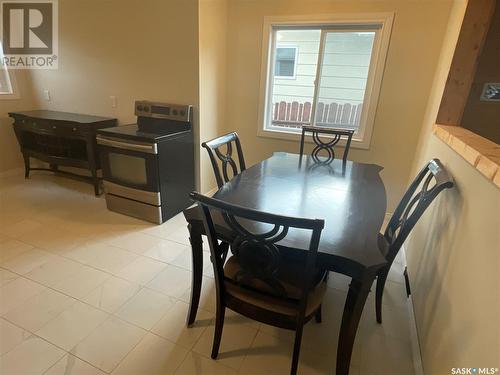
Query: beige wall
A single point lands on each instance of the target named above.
(413, 51)
(213, 31)
(453, 253)
(125, 48)
(10, 157)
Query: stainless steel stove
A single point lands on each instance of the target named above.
(148, 167)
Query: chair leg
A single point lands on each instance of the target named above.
(317, 315)
(381, 278)
(219, 324)
(296, 349)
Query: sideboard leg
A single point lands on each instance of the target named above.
(26, 165)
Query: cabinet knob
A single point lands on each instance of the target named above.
(34, 124)
(74, 129)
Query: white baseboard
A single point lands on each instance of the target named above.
(415, 344)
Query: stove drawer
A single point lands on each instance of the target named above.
(133, 208)
(149, 197)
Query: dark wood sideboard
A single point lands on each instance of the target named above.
(60, 139)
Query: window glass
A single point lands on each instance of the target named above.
(292, 98)
(345, 63)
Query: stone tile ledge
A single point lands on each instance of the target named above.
(480, 152)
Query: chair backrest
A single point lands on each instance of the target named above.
(226, 159)
(254, 235)
(334, 136)
(431, 180)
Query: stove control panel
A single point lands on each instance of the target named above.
(177, 112)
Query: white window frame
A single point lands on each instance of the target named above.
(294, 61)
(383, 21)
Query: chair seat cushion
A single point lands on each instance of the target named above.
(259, 293)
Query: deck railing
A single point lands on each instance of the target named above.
(295, 114)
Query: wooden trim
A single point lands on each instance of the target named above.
(473, 33)
(480, 152)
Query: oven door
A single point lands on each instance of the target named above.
(130, 169)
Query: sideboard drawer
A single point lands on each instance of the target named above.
(51, 127)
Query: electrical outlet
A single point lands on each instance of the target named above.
(46, 95)
(113, 101)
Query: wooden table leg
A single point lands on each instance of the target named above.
(353, 308)
(197, 272)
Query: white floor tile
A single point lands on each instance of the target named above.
(11, 248)
(141, 271)
(54, 271)
(207, 297)
(136, 242)
(109, 343)
(82, 283)
(172, 281)
(184, 261)
(71, 365)
(180, 235)
(28, 261)
(166, 251)
(7, 276)
(196, 364)
(37, 311)
(41, 354)
(172, 325)
(152, 356)
(111, 294)
(17, 230)
(102, 256)
(16, 292)
(146, 308)
(385, 355)
(72, 325)
(236, 340)
(11, 336)
(52, 238)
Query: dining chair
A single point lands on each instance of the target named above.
(431, 181)
(334, 136)
(226, 159)
(259, 280)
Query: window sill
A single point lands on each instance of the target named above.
(481, 153)
(295, 137)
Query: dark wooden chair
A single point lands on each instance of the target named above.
(329, 144)
(260, 280)
(193, 214)
(226, 159)
(431, 181)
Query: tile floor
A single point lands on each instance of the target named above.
(87, 291)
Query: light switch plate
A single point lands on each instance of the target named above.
(491, 92)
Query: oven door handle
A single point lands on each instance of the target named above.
(140, 147)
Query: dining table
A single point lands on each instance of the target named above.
(349, 196)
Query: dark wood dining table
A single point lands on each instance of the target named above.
(349, 196)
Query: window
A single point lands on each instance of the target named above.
(8, 88)
(286, 57)
(5, 83)
(325, 73)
